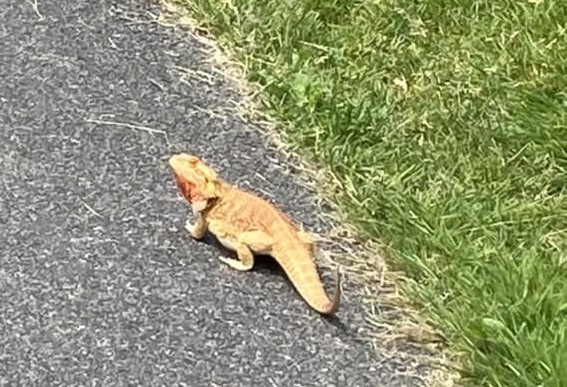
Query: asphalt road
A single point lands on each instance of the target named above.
(99, 283)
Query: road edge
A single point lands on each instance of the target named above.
(404, 325)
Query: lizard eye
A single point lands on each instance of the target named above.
(193, 159)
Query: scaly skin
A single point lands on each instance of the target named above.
(249, 225)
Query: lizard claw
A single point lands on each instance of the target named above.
(189, 227)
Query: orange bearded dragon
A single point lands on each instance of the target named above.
(248, 225)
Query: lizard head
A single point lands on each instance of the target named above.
(197, 182)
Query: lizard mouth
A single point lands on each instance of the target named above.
(187, 189)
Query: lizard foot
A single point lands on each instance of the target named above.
(306, 237)
(245, 255)
(236, 264)
(196, 230)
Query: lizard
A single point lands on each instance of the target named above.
(250, 225)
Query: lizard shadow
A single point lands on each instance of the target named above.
(267, 265)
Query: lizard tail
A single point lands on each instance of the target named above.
(306, 280)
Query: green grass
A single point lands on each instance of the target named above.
(446, 121)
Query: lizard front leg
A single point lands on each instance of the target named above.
(248, 243)
(199, 229)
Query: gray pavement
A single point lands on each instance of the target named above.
(99, 283)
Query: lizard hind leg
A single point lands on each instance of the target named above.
(244, 262)
(248, 243)
(308, 240)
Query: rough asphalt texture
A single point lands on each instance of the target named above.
(99, 283)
